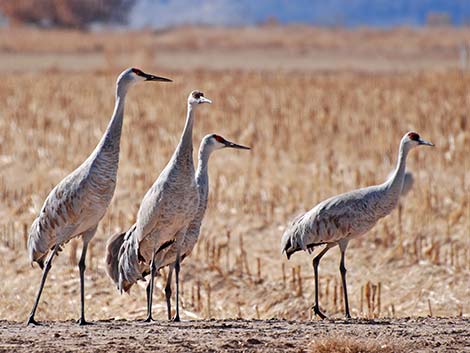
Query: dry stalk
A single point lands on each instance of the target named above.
(368, 295)
(198, 292)
(208, 291)
(374, 293)
(379, 300)
(299, 282)
(25, 235)
(227, 259)
(239, 308)
(335, 295)
(294, 279)
(327, 291)
(284, 280)
(361, 307)
(192, 297)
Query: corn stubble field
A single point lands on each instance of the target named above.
(313, 134)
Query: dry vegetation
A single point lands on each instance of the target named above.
(267, 48)
(397, 41)
(313, 135)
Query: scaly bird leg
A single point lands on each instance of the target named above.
(150, 289)
(168, 291)
(177, 272)
(47, 267)
(315, 263)
(342, 269)
(82, 267)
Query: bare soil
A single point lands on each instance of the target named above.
(407, 334)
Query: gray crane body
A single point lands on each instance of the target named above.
(77, 204)
(80, 200)
(165, 212)
(209, 144)
(345, 216)
(338, 219)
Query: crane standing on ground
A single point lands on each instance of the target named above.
(209, 144)
(78, 203)
(338, 219)
(164, 215)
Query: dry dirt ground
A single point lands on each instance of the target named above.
(397, 335)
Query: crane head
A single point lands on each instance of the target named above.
(412, 139)
(217, 142)
(196, 97)
(134, 75)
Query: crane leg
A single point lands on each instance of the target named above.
(47, 267)
(315, 263)
(168, 291)
(82, 267)
(343, 270)
(177, 273)
(150, 290)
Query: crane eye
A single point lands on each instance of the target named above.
(413, 136)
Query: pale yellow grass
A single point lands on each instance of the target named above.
(294, 47)
(313, 136)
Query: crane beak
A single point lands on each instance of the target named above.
(149, 77)
(426, 143)
(234, 145)
(204, 100)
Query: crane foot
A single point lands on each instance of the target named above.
(31, 321)
(148, 319)
(317, 312)
(83, 322)
(176, 319)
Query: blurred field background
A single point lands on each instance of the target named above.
(323, 110)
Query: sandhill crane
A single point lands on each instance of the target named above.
(164, 215)
(77, 204)
(338, 219)
(209, 144)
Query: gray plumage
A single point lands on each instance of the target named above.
(165, 212)
(209, 144)
(78, 203)
(340, 218)
(408, 181)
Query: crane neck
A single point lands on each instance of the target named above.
(112, 136)
(203, 161)
(395, 182)
(184, 150)
(202, 175)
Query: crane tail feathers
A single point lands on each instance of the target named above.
(130, 267)
(39, 243)
(113, 247)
